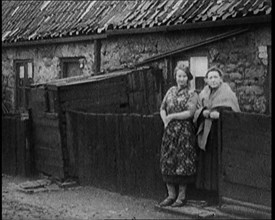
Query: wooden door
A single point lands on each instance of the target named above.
(24, 78)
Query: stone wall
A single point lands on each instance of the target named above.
(244, 61)
(125, 51)
(46, 64)
(242, 58)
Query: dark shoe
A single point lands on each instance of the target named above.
(167, 202)
(179, 203)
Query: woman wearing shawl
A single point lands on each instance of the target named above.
(178, 154)
(215, 97)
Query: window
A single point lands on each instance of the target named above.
(198, 66)
(72, 66)
(24, 78)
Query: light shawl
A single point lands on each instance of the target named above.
(222, 97)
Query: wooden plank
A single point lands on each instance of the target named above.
(118, 143)
(29, 162)
(84, 170)
(148, 131)
(90, 108)
(51, 139)
(244, 138)
(94, 91)
(91, 156)
(45, 154)
(37, 100)
(21, 147)
(124, 156)
(247, 122)
(128, 152)
(159, 186)
(152, 92)
(8, 146)
(135, 81)
(246, 141)
(254, 171)
(132, 105)
(116, 100)
(138, 152)
(130, 80)
(101, 168)
(44, 120)
(71, 135)
(145, 91)
(138, 102)
(111, 160)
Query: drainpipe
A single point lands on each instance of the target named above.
(97, 56)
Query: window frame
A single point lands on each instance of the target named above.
(64, 61)
(25, 85)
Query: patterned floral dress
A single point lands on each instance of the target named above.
(178, 150)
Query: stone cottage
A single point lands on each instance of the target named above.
(47, 40)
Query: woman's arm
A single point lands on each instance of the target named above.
(163, 106)
(215, 113)
(180, 115)
(163, 117)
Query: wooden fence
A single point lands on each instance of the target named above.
(46, 136)
(246, 158)
(125, 91)
(17, 148)
(118, 152)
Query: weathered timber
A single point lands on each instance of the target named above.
(254, 170)
(246, 157)
(8, 145)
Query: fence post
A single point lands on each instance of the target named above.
(220, 165)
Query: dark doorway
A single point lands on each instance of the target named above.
(24, 78)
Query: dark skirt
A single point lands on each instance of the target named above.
(178, 157)
(207, 171)
(179, 179)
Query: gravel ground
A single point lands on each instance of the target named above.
(75, 203)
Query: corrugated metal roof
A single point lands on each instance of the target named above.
(33, 20)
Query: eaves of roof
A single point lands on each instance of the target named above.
(31, 21)
(247, 22)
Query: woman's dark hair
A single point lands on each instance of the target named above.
(181, 66)
(216, 69)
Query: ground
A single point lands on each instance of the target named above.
(75, 203)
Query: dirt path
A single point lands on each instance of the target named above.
(74, 203)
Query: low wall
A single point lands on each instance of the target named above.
(17, 148)
(246, 158)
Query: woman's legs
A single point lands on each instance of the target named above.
(181, 201)
(171, 189)
(182, 192)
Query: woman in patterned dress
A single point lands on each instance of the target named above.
(178, 152)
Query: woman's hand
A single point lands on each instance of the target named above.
(214, 115)
(206, 113)
(166, 121)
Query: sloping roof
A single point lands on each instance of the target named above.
(34, 20)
